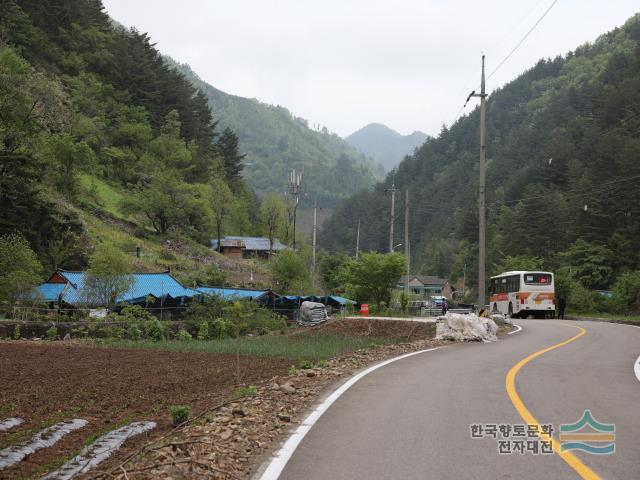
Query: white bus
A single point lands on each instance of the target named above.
(523, 294)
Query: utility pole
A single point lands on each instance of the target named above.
(358, 240)
(481, 195)
(315, 222)
(392, 218)
(294, 189)
(464, 279)
(407, 253)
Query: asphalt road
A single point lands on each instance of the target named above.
(412, 418)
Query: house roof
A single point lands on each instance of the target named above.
(159, 285)
(424, 279)
(249, 243)
(50, 292)
(230, 293)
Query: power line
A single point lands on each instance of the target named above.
(522, 40)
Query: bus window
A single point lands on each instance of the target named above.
(538, 279)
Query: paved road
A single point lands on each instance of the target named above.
(411, 419)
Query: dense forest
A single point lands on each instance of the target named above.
(563, 177)
(275, 142)
(95, 125)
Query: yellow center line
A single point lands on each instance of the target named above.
(510, 383)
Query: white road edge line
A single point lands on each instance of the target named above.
(278, 463)
(636, 368)
(515, 331)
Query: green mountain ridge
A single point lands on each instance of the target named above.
(384, 144)
(563, 176)
(275, 142)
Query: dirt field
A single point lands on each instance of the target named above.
(47, 382)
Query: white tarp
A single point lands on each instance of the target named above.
(470, 327)
(312, 313)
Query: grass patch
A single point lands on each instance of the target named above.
(317, 347)
(631, 319)
(101, 195)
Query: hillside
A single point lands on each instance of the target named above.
(275, 141)
(102, 144)
(563, 177)
(384, 144)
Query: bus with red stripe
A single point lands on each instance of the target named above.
(523, 294)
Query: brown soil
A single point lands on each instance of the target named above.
(376, 328)
(47, 382)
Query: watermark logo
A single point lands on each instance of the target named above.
(588, 435)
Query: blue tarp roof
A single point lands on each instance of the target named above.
(159, 285)
(50, 292)
(252, 243)
(228, 293)
(342, 300)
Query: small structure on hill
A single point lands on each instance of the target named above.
(247, 247)
(425, 286)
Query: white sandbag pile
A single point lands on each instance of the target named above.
(501, 319)
(470, 328)
(312, 313)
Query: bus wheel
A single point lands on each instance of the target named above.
(510, 310)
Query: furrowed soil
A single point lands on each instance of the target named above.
(46, 382)
(43, 383)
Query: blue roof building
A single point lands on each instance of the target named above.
(247, 247)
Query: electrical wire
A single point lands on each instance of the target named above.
(522, 40)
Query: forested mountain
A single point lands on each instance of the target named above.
(94, 126)
(384, 144)
(275, 141)
(563, 175)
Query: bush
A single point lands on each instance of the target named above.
(16, 332)
(203, 330)
(626, 292)
(52, 333)
(179, 414)
(135, 333)
(223, 328)
(154, 330)
(183, 335)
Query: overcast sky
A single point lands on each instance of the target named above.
(345, 63)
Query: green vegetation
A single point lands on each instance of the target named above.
(275, 141)
(563, 180)
(52, 333)
(316, 347)
(19, 268)
(179, 414)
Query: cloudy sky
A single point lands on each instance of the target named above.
(345, 63)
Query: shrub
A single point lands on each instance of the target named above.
(626, 292)
(16, 332)
(134, 333)
(223, 328)
(179, 414)
(52, 333)
(184, 335)
(305, 365)
(249, 391)
(154, 329)
(203, 330)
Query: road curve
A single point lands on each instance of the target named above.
(411, 419)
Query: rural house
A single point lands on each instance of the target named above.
(247, 247)
(426, 286)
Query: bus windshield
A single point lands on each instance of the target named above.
(538, 278)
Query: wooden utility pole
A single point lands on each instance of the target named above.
(294, 188)
(406, 240)
(392, 217)
(315, 222)
(358, 240)
(481, 194)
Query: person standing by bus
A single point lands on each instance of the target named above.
(445, 306)
(562, 304)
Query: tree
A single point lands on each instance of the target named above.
(222, 205)
(590, 263)
(372, 276)
(273, 212)
(231, 157)
(290, 272)
(519, 262)
(66, 158)
(20, 269)
(107, 278)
